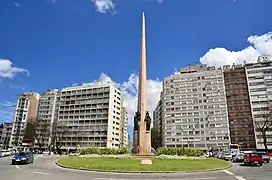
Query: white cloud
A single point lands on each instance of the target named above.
(259, 45)
(129, 91)
(7, 70)
(104, 6)
(6, 111)
(17, 4)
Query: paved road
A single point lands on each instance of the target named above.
(44, 169)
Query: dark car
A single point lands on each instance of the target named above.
(23, 158)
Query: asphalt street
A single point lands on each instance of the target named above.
(44, 168)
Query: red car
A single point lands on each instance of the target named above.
(253, 158)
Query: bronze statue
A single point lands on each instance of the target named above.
(148, 121)
(137, 117)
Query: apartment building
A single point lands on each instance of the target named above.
(259, 77)
(239, 109)
(194, 104)
(90, 116)
(5, 134)
(47, 116)
(124, 128)
(157, 122)
(26, 110)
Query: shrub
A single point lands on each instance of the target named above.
(180, 151)
(103, 151)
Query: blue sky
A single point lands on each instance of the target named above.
(56, 43)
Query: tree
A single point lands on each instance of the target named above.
(155, 138)
(30, 132)
(42, 133)
(60, 131)
(264, 125)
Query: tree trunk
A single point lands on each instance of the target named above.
(265, 142)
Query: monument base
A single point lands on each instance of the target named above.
(145, 149)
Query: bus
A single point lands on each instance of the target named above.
(232, 148)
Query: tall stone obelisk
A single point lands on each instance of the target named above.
(142, 121)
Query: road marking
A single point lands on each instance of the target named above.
(17, 167)
(228, 172)
(240, 178)
(37, 172)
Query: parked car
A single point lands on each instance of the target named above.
(46, 152)
(253, 158)
(23, 158)
(238, 157)
(265, 156)
(227, 156)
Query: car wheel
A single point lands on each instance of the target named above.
(261, 164)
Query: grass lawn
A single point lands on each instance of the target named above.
(133, 165)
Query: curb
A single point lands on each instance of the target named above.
(142, 172)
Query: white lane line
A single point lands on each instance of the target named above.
(17, 167)
(37, 172)
(240, 178)
(228, 172)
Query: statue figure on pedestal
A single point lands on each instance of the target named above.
(137, 117)
(148, 121)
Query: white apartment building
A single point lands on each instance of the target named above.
(194, 108)
(46, 117)
(259, 77)
(5, 134)
(92, 115)
(124, 128)
(26, 110)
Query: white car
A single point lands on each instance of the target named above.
(47, 152)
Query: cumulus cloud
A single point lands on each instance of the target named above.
(259, 45)
(129, 91)
(6, 111)
(104, 6)
(7, 70)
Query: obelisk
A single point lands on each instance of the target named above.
(142, 120)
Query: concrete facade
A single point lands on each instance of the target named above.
(91, 114)
(194, 108)
(26, 110)
(259, 77)
(157, 122)
(5, 134)
(239, 108)
(46, 117)
(124, 128)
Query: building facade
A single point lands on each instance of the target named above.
(89, 116)
(47, 116)
(5, 135)
(157, 123)
(124, 128)
(194, 104)
(239, 108)
(25, 111)
(259, 77)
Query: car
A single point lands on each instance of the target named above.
(46, 152)
(227, 156)
(253, 158)
(238, 157)
(265, 157)
(23, 158)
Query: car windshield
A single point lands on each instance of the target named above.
(22, 154)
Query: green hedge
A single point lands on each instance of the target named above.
(180, 151)
(102, 151)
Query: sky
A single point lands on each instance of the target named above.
(47, 44)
